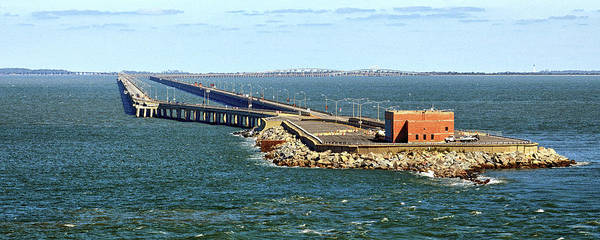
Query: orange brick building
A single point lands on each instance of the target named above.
(418, 126)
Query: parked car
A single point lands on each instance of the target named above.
(450, 139)
(462, 138)
(468, 138)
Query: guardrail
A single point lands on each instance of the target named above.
(304, 131)
(302, 110)
(492, 133)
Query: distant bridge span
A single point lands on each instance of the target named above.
(235, 99)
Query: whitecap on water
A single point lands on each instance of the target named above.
(582, 226)
(492, 180)
(429, 174)
(539, 210)
(443, 217)
(458, 182)
(362, 222)
(475, 212)
(310, 231)
(69, 225)
(577, 164)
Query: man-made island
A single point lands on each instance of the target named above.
(449, 163)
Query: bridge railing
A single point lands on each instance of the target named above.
(304, 131)
(253, 98)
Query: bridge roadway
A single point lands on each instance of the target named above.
(238, 100)
(233, 116)
(141, 102)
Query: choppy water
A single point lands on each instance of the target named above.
(73, 165)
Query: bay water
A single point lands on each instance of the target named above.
(73, 164)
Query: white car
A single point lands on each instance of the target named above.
(450, 139)
(468, 139)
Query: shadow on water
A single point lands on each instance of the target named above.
(126, 100)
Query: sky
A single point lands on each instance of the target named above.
(249, 36)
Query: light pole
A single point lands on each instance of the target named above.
(288, 95)
(174, 100)
(260, 92)
(168, 100)
(274, 94)
(300, 101)
(358, 108)
(336, 109)
(323, 95)
(379, 102)
(207, 96)
(305, 106)
(250, 96)
(273, 90)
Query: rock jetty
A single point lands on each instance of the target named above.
(466, 165)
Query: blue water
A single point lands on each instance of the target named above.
(74, 165)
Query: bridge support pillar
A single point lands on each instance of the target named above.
(178, 114)
(187, 115)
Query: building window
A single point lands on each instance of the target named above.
(417, 137)
(424, 136)
(446, 129)
(432, 137)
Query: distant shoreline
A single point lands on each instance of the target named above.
(294, 73)
(310, 75)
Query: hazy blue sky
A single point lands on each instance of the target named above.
(229, 36)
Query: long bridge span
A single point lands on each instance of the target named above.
(145, 106)
(235, 99)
